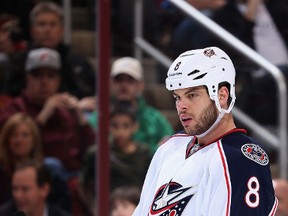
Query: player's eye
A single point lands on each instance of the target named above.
(192, 95)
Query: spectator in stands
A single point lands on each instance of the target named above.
(47, 29)
(127, 85)
(181, 32)
(124, 200)
(64, 129)
(20, 9)
(281, 191)
(19, 142)
(129, 160)
(10, 35)
(11, 43)
(31, 184)
(259, 24)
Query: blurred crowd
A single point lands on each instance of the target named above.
(48, 123)
(48, 99)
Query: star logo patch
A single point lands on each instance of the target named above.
(171, 199)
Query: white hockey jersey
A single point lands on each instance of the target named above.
(230, 176)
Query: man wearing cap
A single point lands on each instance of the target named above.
(127, 85)
(64, 130)
(47, 30)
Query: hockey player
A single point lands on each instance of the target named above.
(214, 168)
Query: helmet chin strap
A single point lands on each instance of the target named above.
(220, 116)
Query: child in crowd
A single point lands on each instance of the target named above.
(127, 85)
(124, 200)
(129, 160)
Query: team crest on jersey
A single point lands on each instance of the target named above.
(171, 199)
(255, 153)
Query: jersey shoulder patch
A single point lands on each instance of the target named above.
(255, 153)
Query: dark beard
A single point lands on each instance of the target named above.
(206, 120)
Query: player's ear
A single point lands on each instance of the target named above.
(223, 95)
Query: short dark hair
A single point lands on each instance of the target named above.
(123, 108)
(43, 175)
(129, 193)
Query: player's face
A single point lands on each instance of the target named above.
(47, 30)
(26, 193)
(197, 112)
(122, 129)
(125, 87)
(21, 141)
(122, 208)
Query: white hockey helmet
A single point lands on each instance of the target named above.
(209, 67)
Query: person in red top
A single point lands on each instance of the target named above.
(64, 130)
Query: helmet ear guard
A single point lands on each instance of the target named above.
(209, 67)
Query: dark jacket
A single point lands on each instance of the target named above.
(9, 209)
(5, 186)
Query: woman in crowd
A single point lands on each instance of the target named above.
(19, 141)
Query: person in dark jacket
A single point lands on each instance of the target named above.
(31, 184)
(47, 30)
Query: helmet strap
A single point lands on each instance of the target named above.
(220, 116)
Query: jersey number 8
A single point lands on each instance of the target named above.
(252, 197)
